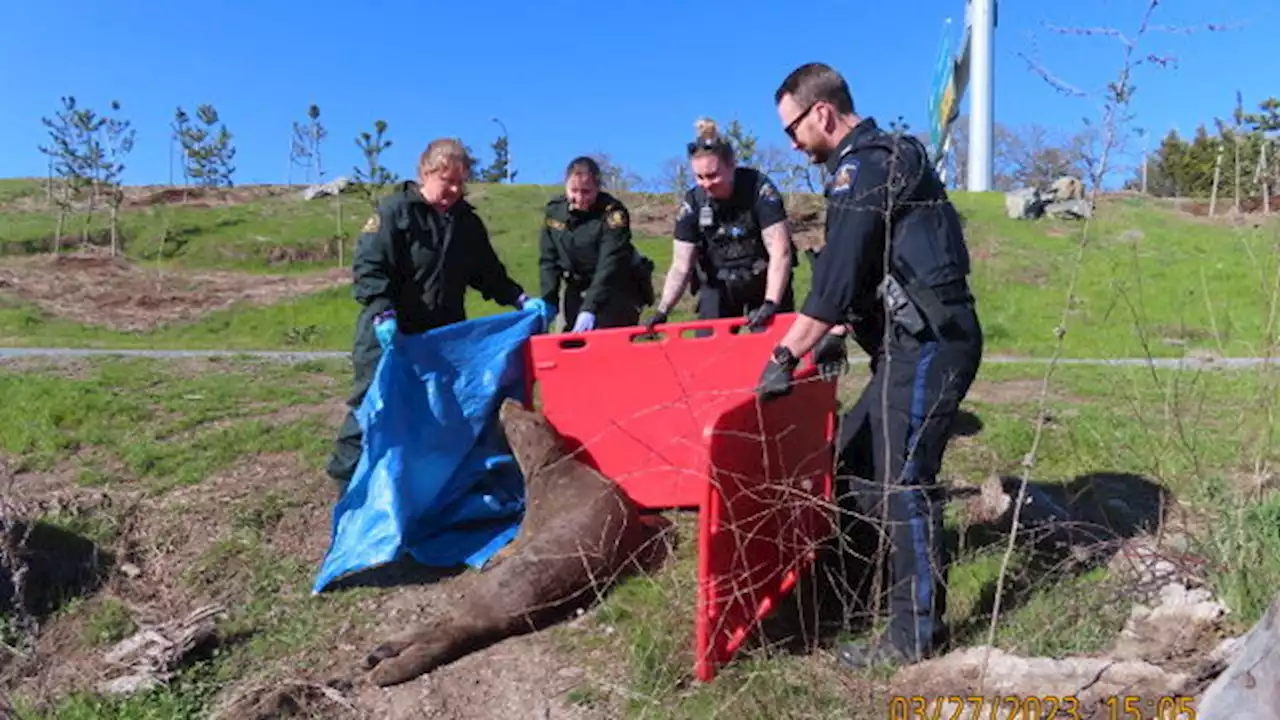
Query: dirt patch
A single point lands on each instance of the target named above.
(1014, 392)
(145, 196)
(652, 215)
(111, 292)
(216, 542)
(273, 491)
(157, 552)
(72, 368)
(1226, 208)
(656, 216)
(522, 677)
(1029, 275)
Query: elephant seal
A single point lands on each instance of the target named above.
(580, 533)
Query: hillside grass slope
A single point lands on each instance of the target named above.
(1151, 281)
(204, 476)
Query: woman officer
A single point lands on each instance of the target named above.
(585, 243)
(731, 239)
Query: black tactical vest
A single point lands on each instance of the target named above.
(926, 239)
(733, 248)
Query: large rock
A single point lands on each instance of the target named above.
(1074, 686)
(1066, 188)
(1078, 209)
(1063, 200)
(1249, 689)
(1023, 203)
(333, 187)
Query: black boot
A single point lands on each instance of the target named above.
(863, 654)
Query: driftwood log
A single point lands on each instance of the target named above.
(152, 657)
(580, 533)
(1249, 689)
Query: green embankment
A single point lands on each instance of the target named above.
(1150, 280)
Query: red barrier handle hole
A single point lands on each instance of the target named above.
(573, 343)
(697, 333)
(643, 337)
(744, 330)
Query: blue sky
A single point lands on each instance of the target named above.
(569, 77)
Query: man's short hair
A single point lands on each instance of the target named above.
(814, 82)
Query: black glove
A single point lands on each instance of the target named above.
(657, 318)
(760, 317)
(775, 381)
(830, 356)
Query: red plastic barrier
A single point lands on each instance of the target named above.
(766, 510)
(675, 421)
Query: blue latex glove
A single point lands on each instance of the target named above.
(585, 321)
(385, 327)
(548, 312)
(494, 462)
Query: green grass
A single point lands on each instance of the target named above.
(1152, 281)
(1146, 285)
(156, 426)
(1193, 434)
(151, 424)
(130, 425)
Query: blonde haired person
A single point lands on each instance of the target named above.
(416, 256)
(731, 238)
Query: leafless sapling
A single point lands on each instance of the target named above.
(305, 146)
(118, 137)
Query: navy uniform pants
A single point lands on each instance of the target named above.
(890, 450)
(718, 300)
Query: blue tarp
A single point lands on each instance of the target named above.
(435, 478)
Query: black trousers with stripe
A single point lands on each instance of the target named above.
(890, 450)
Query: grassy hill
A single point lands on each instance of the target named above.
(1152, 280)
(201, 479)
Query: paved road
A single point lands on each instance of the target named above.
(1189, 363)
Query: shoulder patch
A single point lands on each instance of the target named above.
(846, 173)
(373, 224)
(768, 191)
(686, 209)
(618, 218)
(555, 224)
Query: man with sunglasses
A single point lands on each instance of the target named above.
(886, 209)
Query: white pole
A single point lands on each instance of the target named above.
(982, 21)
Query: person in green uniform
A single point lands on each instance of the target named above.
(585, 243)
(414, 260)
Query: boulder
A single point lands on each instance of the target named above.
(1023, 204)
(333, 187)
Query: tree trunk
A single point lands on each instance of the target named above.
(1249, 689)
(62, 218)
(342, 236)
(115, 226)
(1217, 176)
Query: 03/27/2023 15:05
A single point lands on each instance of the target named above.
(1027, 707)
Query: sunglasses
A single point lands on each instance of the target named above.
(712, 144)
(790, 129)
